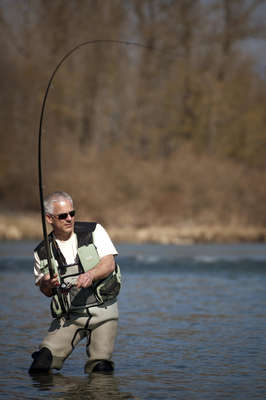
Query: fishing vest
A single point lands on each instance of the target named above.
(77, 300)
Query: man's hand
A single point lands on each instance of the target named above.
(47, 285)
(85, 280)
(105, 266)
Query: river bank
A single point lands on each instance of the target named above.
(28, 227)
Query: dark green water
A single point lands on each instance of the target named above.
(192, 326)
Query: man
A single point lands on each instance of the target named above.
(84, 288)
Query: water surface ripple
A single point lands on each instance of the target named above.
(192, 326)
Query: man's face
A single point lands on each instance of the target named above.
(63, 228)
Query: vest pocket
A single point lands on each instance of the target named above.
(109, 288)
(80, 298)
(59, 305)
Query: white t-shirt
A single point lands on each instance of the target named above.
(69, 248)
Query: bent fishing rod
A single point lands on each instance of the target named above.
(66, 56)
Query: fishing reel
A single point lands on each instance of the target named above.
(60, 303)
(64, 288)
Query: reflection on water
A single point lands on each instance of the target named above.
(192, 326)
(95, 387)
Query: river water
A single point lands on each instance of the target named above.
(192, 326)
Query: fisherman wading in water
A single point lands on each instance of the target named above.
(83, 290)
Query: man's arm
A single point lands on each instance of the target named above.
(44, 282)
(105, 266)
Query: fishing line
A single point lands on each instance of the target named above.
(68, 54)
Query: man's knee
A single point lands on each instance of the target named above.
(101, 342)
(42, 361)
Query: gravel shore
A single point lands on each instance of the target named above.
(27, 227)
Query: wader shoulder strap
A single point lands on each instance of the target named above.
(84, 235)
(41, 250)
(84, 231)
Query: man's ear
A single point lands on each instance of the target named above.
(49, 219)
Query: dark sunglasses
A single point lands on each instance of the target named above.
(65, 215)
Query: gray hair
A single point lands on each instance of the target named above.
(53, 198)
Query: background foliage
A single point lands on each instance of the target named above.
(137, 136)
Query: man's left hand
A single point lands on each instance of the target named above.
(85, 280)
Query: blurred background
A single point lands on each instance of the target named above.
(158, 145)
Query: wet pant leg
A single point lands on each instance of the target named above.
(100, 326)
(103, 329)
(63, 336)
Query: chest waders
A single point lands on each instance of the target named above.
(77, 300)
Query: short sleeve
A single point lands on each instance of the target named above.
(102, 242)
(37, 270)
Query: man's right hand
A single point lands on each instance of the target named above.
(47, 284)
